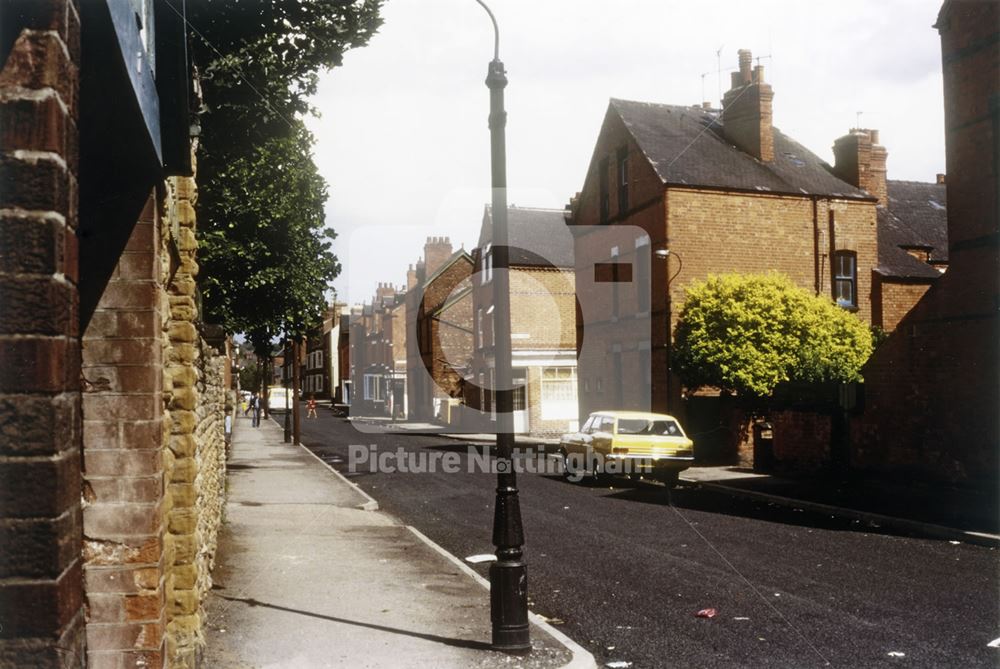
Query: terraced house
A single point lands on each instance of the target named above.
(543, 323)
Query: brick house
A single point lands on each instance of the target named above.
(543, 323)
(378, 343)
(931, 391)
(439, 325)
(912, 248)
(321, 377)
(342, 393)
(721, 191)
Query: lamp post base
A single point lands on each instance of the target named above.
(509, 607)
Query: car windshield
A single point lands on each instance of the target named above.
(653, 427)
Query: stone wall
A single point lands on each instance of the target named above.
(194, 377)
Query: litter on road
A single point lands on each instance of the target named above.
(482, 557)
(896, 653)
(706, 613)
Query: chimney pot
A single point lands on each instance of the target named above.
(706, 105)
(758, 74)
(940, 178)
(734, 80)
(873, 134)
(746, 57)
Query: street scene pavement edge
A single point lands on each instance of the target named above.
(343, 582)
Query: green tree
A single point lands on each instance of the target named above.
(265, 251)
(748, 333)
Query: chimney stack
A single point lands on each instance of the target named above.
(437, 250)
(861, 161)
(940, 179)
(411, 278)
(746, 110)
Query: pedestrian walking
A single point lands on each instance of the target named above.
(311, 407)
(255, 409)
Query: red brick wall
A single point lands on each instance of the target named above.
(41, 598)
(895, 299)
(801, 440)
(123, 519)
(931, 388)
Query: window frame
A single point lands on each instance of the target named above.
(850, 279)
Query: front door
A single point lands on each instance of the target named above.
(520, 382)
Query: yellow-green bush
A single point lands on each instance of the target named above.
(750, 332)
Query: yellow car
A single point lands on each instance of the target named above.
(627, 442)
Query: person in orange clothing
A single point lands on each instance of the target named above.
(311, 407)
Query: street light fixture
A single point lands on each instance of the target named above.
(665, 255)
(509, 574)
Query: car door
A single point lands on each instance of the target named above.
(602, 435)
(577, 442)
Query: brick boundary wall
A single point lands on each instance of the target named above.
(41, 603)
(123, 463)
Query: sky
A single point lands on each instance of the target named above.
(402, 137)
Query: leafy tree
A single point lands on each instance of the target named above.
(265, 252)
(748, 333)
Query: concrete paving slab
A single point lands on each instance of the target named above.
(305, 578)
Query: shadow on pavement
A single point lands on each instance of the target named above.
(458, 643)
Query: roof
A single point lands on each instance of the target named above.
(917, 217)
(537, 237)
(686, 146)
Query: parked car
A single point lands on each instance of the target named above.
(627, 442)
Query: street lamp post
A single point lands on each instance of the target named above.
(284, 382)
(509, 574)
(665, 254)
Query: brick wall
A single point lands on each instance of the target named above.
(444, 338)
(123, 464)
(41, 602)
(543, 318)
(931, 389)
(895, 299)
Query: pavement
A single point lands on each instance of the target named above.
(310, 574)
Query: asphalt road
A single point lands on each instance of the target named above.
(623, 568)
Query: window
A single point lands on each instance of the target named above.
(520, 394)
(652, 427)
(486, 271)
(607, 424)
(622, 180)
(588, 427)
(373, 387)
(845, 278)
(605, 201)
(479, 328)
(558, 383)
